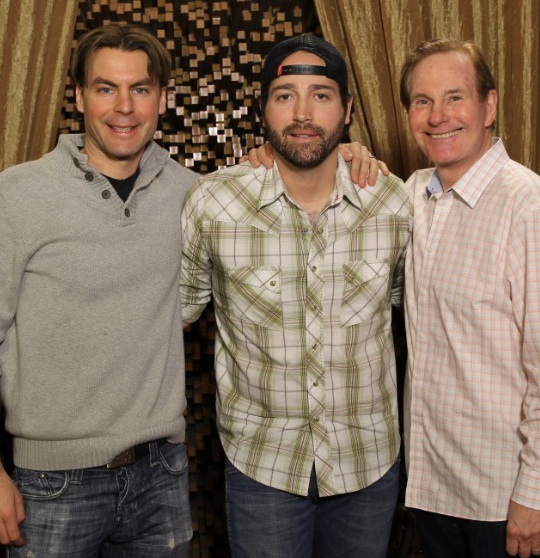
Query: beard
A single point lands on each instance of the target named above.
(307, 155)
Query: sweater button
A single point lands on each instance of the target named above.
(88, 176)
(105, 194)
(126, 212)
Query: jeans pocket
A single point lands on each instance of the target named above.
(173, 458)
(40, 485)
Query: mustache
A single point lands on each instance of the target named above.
(295, 128)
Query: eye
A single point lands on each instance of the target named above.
(284, 97)
(321, 96)
(140, 90)
(105, 90)
(456, 98)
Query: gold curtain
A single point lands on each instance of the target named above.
(36, 35)
(35, 41)
(376, 35)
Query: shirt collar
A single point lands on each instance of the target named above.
(273, 187)
(473, 183)
(345, 187)
(434, 186)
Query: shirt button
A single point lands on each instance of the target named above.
(272, 283)
(88, 176)
(127, 212)
(105, 194)
(316, 383)
(314, 347)
(316, 419)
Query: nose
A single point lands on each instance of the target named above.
(302, 110)
(437, 114)
(124, 102)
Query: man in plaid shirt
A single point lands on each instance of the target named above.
(303, 268)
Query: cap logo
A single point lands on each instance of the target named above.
(301, 70)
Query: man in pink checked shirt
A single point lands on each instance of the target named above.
(472, 401)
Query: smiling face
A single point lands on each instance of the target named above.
(121, 106)
(304, 115)
(447, 118)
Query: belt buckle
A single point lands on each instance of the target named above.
(127, 457)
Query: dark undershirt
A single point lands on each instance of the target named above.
(123, 186)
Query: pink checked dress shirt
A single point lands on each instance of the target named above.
(472, 400)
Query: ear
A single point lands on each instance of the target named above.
(79, 99)
(491, 107)
(163, 100)
(349, 110)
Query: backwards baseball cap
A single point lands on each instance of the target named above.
(335, 68)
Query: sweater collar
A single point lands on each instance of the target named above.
(152, 163)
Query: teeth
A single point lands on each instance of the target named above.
(117, 129)
(444, 136)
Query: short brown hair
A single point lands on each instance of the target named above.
(124, 37)
(484, 78)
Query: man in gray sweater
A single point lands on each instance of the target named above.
(91, 348)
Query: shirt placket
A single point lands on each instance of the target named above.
(437, 210)
(315, 355)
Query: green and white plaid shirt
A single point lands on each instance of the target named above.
(304, 354)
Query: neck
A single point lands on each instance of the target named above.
(449, 175)
(114, 168)
(310, 188)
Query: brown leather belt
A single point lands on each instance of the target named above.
(133, 454)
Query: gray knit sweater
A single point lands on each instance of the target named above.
(91, 343)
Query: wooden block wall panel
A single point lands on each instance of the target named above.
(217, 50)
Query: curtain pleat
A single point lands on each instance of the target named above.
(376, 36)
(35, 44)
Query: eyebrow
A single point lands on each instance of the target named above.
(446, 92)
(293, 86)
(104, 81)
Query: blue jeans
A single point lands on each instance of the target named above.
(444, 536)
(138, 511)
(267, 523)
